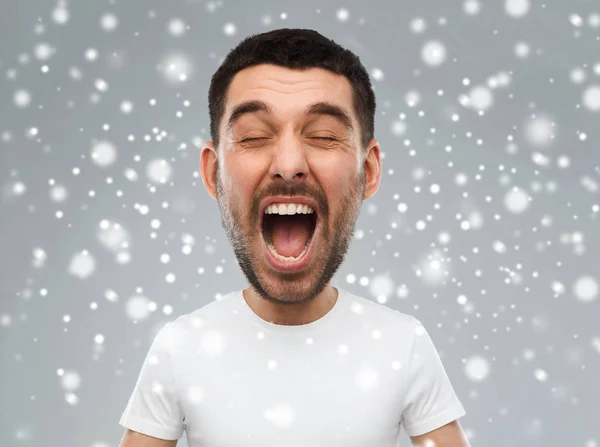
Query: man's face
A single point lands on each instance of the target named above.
(292, 155)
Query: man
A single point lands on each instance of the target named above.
(291, 360)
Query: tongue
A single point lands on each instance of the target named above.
(290, 233)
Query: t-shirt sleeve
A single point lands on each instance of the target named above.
(154, 408)
(430, 399)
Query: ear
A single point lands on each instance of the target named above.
(208, 168)
(372, 169)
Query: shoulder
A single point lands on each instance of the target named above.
(176, 333)
(211, 312)
(383, 316)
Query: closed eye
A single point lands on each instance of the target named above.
(253, 139)
(265, 138)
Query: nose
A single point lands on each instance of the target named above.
(289, 161)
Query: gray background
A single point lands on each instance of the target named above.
(505, 279)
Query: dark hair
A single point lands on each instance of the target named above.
(296, 49)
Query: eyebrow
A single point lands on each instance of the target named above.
(317, 108)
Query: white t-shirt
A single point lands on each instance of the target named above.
(349, 379)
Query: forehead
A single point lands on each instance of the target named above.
(288, 89)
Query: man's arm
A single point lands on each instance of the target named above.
(134, 439)
(153, 415)
(449, 435)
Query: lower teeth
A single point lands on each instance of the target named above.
(287, 258)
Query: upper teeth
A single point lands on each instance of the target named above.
(288, 208)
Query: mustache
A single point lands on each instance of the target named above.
(290, 190)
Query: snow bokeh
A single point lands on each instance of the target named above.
(485, 226)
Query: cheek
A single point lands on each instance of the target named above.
(337, 185)
(243, 181)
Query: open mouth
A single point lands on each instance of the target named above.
(288, 237)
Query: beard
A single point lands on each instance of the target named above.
(331, 246)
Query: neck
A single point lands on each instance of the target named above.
(291, 314)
